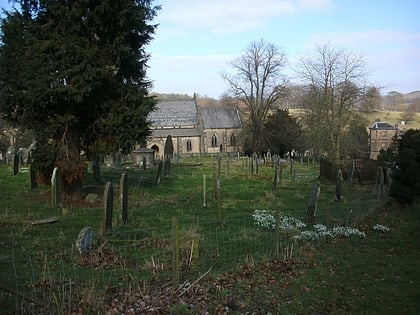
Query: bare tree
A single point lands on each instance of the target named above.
(258, 83)
(335, 83)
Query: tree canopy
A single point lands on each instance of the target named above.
(75, 72)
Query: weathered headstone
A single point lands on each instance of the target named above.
(108, 208)
(15, 164)
(124, 198)
(313, 203)
(32, 178)
(339, 178)
(56, 196)
(84, 240)
(91, 198)
(144, 163)
(159, 172)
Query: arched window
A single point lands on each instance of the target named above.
(189, 145)
(232, 140)
(214, 140)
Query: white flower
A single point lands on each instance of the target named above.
(381, 228)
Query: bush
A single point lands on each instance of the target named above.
(406, 174)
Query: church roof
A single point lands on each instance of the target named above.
(174, 114)
(215, 118)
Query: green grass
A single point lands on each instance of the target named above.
(340, 276)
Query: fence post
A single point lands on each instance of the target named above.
(204, 191)
(277, 234)
(175, 252)
(219, 203)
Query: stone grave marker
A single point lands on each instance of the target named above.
(56, 196)
(313, 203)
(15, 164)
(84, 240)
(108, 208)
(124, 198)
(32, 178)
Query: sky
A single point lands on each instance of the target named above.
(196, 40)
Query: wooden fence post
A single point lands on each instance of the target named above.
(175, 252)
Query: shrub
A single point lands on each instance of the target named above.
(406, 174)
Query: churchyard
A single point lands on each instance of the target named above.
(225, 236)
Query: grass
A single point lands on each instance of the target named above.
(341, 276)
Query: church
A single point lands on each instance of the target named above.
(194, 130)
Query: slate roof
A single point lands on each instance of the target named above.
(215, 118)
(173, 114)
(379, 125)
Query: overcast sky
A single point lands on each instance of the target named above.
(196, 39)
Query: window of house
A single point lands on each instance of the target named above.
(189, 145)
(214, 140)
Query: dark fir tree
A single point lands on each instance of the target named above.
(405, 185)
(283, 133)
(75, 72)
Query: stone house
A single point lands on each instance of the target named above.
(194, 130)
(380, 137)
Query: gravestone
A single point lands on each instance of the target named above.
(313, 203)
(56, 197)
(144, 163)
(84, 240)
(124, 198)
(338, 194)
(15, 164)
(108, 208)
(159, 172)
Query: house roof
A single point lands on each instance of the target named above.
(379, 125)
(174, 114)
(214, 118)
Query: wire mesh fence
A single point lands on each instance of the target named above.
(40, 269)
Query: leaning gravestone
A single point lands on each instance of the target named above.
(108, 208)
(56, 198)
(85, 240)
(124, 198)
(15, 164)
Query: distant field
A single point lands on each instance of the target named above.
(391, 117)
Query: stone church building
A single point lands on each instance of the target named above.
(194, 130)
